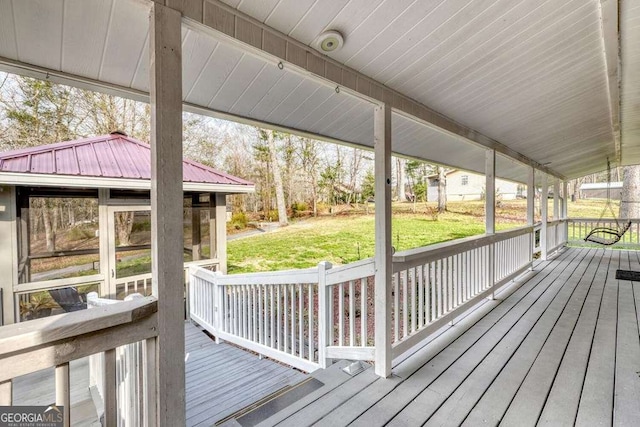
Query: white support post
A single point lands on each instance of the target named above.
(544, 213)
(9, 260)
(221, 231)
(490, 193)
(531, 210)
(531, 197)
(490, 212)
(565, 197)
(63, 392)
(556, 199)
(165, 86)
(383, 252)
(103, 239)
(323, 314)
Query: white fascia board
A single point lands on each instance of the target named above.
(44, 180)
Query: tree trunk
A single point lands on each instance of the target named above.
(314, 193)
(402, 180)
(630, 202)
(124, 226)
(277, 180)
(49, 233)
(442, 190)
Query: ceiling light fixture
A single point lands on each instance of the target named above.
(329, 41)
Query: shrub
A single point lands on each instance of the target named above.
(299, 209)
(272, 215)
(239, 220)
(81, 232)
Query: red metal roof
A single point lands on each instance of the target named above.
(106, 156)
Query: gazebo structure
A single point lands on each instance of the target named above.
(533, 92)
(98, 189)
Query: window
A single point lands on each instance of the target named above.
(464, 180)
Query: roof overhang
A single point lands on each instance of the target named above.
(65, 181)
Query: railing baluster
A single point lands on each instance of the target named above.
(330, 321)
(292, 289)
(411, 277)
(279, 318)
(149, 380)
(352, 313)
(6, 393)
(341, 314)
(405, 303)
(301, 321)
(396, 304)
(261, 315)
(364, 305)
(285, 320)
(63, 391)
(272, 317)
(420, 283)
(312, 318)
(110, 388)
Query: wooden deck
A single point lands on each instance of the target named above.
(223, 379)
(220, 380)
(559, 348)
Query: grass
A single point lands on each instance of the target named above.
(347, 238)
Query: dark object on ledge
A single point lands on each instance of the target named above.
(68, 298)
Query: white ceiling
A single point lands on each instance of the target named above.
(530, 75)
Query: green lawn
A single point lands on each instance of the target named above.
(346, 238)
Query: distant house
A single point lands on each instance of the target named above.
(598, 190)
(463, 185)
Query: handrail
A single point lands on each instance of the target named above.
(444, 249)
(65, 337)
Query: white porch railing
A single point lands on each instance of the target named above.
(307, 317)
(556, 235)
(578, 228)
(55, 341)
(129, 374)
(300, 317)
(435, 284)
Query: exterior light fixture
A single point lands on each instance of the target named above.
(329, 41)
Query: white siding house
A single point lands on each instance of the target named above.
(463, 185)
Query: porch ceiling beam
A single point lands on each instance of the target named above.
(611, 41)
(232, 25)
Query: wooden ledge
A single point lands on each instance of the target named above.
(35, 333)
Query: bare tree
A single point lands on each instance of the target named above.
(442, 189)
(277, 177)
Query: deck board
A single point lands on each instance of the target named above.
(626, 410)
(529, 332)
(596, 401)
(562, 347)
(222, 379)
(387, 408)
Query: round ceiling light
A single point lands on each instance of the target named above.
(329, 41)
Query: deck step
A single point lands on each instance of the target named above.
(284, 401)
(269, 405)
